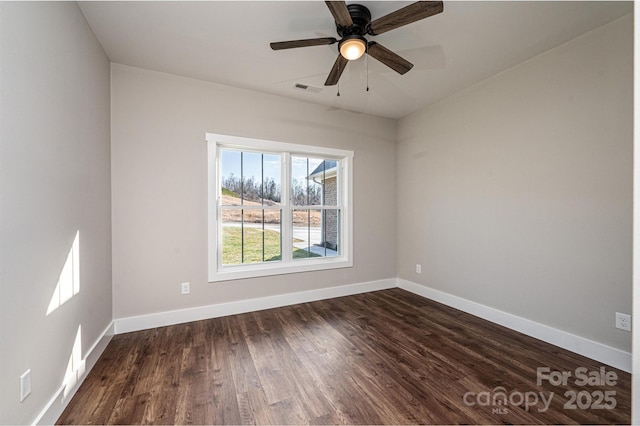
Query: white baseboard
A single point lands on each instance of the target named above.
(58, 402)
(580, 345)
(161, 319)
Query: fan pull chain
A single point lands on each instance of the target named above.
(367, 60)
(338, 89)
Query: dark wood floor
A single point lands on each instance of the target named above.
(387, 357)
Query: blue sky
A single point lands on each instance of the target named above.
(253, 162)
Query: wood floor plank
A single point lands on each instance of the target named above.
(245, 411)
(272, 371)
(313, 403)
(128, 410)
(221, 384)
(386, 357)
(326, 383)
(242, 366)
(163, 387)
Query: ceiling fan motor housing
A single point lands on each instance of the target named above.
(361, 18)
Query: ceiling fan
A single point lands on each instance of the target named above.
(353, 22)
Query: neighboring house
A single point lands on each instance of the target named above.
(326, 175)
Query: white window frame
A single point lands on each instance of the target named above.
(217, 272)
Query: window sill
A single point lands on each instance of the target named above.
(263, 270)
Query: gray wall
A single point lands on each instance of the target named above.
(159, 187)
(516, 193)
(54, 182)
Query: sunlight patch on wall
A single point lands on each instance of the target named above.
(69, 280)
(76, 365)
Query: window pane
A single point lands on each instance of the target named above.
(331, 232)
(255, 238)
(303, 221)
(306, 183)
(330, 188)
(252, 178)
(272, 236)
(315, 233)
(231, 177)
(253, 244)
(231, 239)
(271, 166)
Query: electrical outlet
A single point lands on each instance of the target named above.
(25, 385)
(185, 288)
(418, 268)
(623, 321)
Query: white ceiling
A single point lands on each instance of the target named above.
(228, 42)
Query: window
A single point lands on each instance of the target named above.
(277, 208)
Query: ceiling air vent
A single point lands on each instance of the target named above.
(308, 88)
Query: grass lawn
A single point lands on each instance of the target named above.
(232, 246)
(229, 192)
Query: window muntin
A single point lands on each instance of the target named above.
(277, 208)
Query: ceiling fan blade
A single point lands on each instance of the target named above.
(387, 57)
(336, 71)
(412, 13)
(340, 13)
(279, 45)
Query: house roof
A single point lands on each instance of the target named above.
(325, 169)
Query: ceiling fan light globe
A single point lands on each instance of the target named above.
(352, 48)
